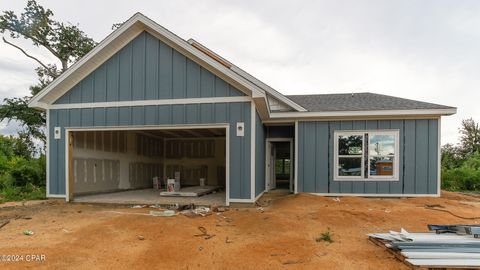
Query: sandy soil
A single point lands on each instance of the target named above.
(79, 236)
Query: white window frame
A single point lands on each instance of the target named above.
(337, 156)
(362, 177)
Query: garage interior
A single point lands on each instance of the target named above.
(126, 166)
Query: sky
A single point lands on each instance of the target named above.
(426, 50)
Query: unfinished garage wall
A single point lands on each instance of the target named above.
(148, 162)
(112, 160)
(196, 158)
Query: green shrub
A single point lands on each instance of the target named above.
(10, 194)
(6, 180)
(28, 192)
(26, 171)
(461, 179)
(473, 161)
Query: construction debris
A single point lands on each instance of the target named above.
(292, 262)
(138, 206)
(198, 211)
(4, 223)
(216, 208)
(204, 233)
(165, 213)
(445, 246)
(28, 232)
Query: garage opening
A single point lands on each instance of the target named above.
(163, 166)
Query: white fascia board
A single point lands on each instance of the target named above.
(332, 114)
(268, 89)
(134, 26)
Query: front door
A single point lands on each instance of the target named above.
(278, 163)
(271, 183)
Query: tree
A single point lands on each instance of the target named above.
(469, 137)
(66, 42)
(451, 156)
(15, 147)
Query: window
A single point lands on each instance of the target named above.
(366, 155)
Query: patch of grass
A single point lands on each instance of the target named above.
(25, 193)
(325, 237)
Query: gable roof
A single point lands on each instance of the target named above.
(360, 102)
(124, 34)
(291, 107)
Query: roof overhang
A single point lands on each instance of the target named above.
(379, 114)
(279, 96)
(117, 40)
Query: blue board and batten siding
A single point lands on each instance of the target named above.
(147, 69)
(418, 164)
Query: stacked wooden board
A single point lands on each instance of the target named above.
(194, 191)
(440, 249)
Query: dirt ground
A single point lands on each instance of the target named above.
(81, 236)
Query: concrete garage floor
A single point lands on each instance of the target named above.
(150, 196)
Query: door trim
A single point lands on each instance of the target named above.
(268, 142)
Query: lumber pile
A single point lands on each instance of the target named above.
(445, 246)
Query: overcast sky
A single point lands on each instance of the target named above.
(423, 50)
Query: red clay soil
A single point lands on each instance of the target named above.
(78, 236)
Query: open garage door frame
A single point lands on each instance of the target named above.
(69, 143)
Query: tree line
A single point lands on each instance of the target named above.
(461, 162)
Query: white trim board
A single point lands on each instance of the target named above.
(253, 153)
(439, 162)
(56, 196)
(258, 196)
(151, 102)
(295, 168)
(227, 149)
(347, 118)
(241, 201)
(47, 153)
(67, 166)
(373, 195)
(148, 127)
(387, 113)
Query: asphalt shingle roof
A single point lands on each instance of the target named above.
(359, 102)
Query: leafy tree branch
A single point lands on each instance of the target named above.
(66, 42)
